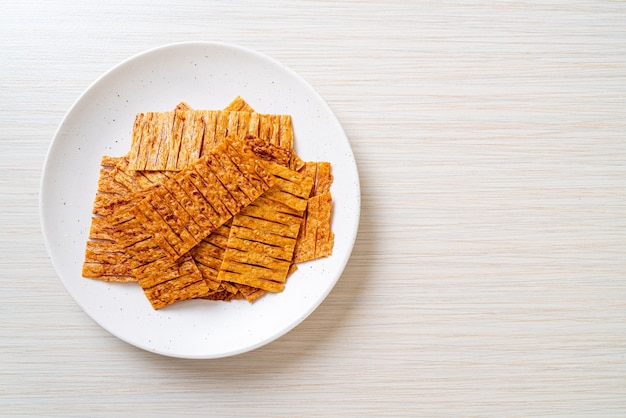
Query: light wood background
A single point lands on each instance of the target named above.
(489, 275)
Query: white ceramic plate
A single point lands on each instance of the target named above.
(207, 76)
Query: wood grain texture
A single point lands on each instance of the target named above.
(489, 275)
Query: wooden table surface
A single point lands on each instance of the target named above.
(489, 273)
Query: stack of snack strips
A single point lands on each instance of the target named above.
(208, 204)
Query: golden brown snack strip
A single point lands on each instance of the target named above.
(324, 178)
(183, 106)
(162, 131)
(183, 221)
(164, 281)
(229, 287)
(215, 193)
(242, 158)
(175, 282)
(149, 146)
(316, 238)
(305, 244)
(161, 221)
(108, 228)
(223, 295)
(116, 171)
(104, 261)
(191, 142)
(209, 253)
(222, 170)
(286, 132)
(324, 236)
(220, 128)
(239, 105)
(243, 121)
(136, 141)
(265, 128)
(259, 277)
(269, 152)
(209, 120)
(169, 145)
(292, 269)
(263, 235)
(250, 293)
(296, 162)
(129, 253)
(120, 187)
(196, 190)
(169, 241)
(173, 140)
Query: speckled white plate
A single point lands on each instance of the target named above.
(208, 76)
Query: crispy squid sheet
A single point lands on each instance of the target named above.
(211, 204)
